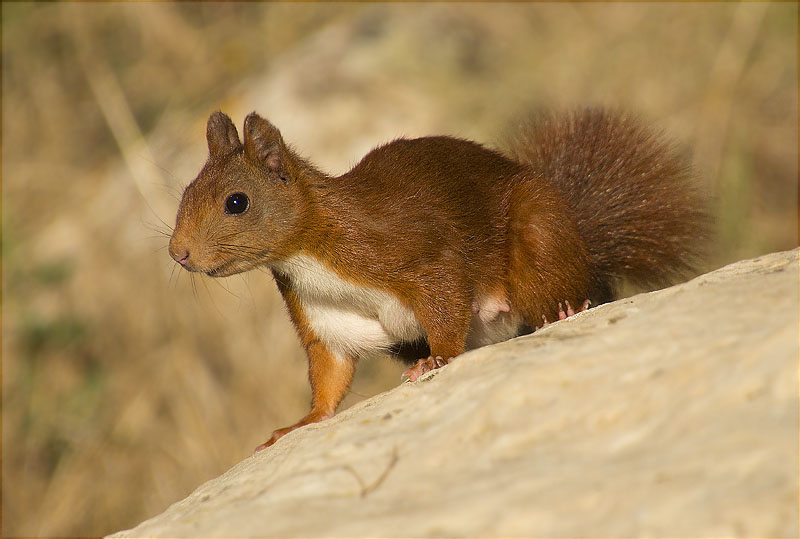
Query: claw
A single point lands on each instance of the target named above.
(425, 365)
(562, 314)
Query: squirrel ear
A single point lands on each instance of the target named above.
(263, 142)
(221, 134)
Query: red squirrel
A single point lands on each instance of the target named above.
(435, 245)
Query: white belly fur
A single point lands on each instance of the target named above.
(483, 332)
(350, 319)
(355, 321)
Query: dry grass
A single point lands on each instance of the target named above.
(125, 384)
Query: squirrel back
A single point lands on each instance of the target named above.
(628, 191)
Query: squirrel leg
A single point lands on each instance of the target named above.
(447, 336)
(330, 375)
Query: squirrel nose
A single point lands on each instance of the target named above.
(179, 254)
(181, 257)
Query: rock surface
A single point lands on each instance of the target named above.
(666, 414)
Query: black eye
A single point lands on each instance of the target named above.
(237, 203)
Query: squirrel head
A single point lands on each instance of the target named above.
(243, 207)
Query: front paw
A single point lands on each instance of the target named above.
(313, 417)
(425, 365)
(280, 433)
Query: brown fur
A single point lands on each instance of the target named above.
(627, 190)
(438, 221)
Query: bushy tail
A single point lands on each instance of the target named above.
(632, 193)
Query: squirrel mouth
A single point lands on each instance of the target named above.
(229, 268)
(220, 271)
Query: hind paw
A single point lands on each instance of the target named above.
(562, 314)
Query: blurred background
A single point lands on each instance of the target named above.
(125, 383)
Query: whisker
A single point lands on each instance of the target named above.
(274, 275)
(220, 283)
(211, 297)
(166, 225)
(245, 279)
(164, 170)
(174, 265)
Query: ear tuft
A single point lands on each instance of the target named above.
(221, 134)
(263, 142)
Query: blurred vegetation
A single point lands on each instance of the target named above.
(125, 383)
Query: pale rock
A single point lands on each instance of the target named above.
(672, 413)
